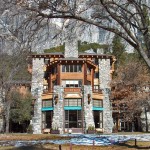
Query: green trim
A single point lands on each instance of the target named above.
(98, 108)
(72, 108)
(47, 108)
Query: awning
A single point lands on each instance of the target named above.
(98, 108)
(47, 108)
(72, 108)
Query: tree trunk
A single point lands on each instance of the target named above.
(7, 118)
(144, 55)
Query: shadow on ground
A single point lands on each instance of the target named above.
(134, 146)
(34, 147)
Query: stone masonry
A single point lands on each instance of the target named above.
(37, 90)
(104, 76)
(58, 116)
(88, 112)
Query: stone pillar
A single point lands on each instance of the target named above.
(37, 90)
(58, 113)
(104, 76)
(88, 111)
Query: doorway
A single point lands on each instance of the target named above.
(47, 119)
(73, 119)
(98, 118)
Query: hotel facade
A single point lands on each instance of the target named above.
(71, 91)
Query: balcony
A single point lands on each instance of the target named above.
(72, 89)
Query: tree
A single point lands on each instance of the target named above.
(21, 108)
(118, 49)
(127, 19)
(130, 88)
(12, 68)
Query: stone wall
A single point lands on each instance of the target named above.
(37, 90)
(104, 76)
(87, 111)
(58, 113)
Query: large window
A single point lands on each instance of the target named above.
(72, 102)
(47, 103)
(97, 103)
(71, 68)
(71, 83)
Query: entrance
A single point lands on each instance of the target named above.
(98, 118)
(73, 119)
(47, 119)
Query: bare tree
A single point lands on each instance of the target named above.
(126, 18)
(130, 89)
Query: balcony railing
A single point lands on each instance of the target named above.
(97, 91)
(74, 89)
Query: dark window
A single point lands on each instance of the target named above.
(67, 68)
(75, 68)
(79, 68)
(63, 68)
(71, 68)
(96, 75)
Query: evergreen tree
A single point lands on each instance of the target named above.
(118, 49)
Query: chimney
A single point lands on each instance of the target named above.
(70, 39)
(71, 48)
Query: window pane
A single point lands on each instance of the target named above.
(97, 103)
(79, 68)
(71, 68)
(67, 68)
(63, 68)
(75, 68)
(47, 103)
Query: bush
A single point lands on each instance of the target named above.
(29, 129)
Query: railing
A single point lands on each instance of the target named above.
(70, 89)
(97, 91)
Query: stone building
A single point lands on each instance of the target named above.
(71, 91)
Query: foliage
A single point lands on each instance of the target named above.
(29, 129)
(90, 127)
(118, 49)
(128, 87)
(60, 48)
(21, 107)
(82, 46)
